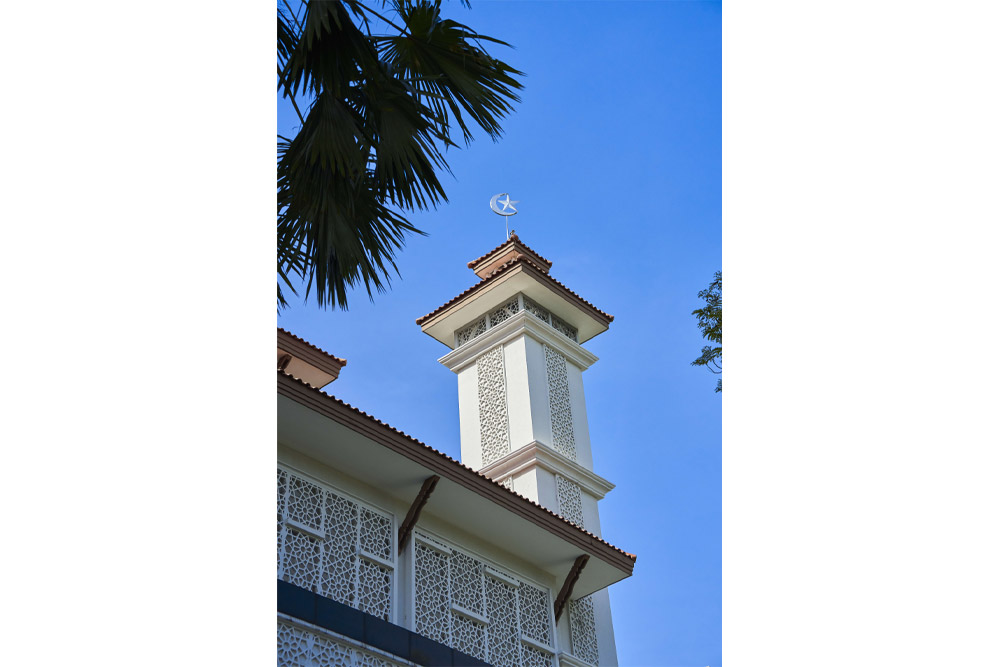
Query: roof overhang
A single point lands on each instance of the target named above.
(307, 362)
(492, 292)
(337, 435)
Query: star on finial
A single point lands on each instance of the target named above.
(508, 204)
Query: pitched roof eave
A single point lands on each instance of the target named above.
(309, 353)
(525, 264)
(448, 468)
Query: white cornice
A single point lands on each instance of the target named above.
(520, 323)
(538, 454)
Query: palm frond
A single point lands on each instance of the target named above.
(370, 145)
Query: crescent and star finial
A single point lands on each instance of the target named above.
(504, 207)
(507, 204)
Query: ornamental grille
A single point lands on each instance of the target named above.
(583, 629)
(462, 602)
(535, 658)
(504, 312)
(536, 310)
(559, 405)
(493, 428)
(467, 582)
(544, 315)
(570, 500)
(534, 612)
(563, 328)
(468, 636)
(433, 615)
(313, 648)
(477, 328)
(501, 603)
(334, 546)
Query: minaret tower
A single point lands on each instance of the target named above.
(516, 347)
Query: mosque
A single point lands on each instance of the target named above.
(392, 553)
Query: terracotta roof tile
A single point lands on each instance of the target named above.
(342, 362)
(452, 461)
(502, 269)
(513, 237)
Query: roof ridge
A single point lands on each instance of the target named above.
(512, 238)
(453, 461)
(501, 269)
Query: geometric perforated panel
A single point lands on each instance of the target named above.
(534, 612)
(460, 602)
(561, 414)
(544, 315)
(501, 601)
(493, 426)
(504, 312)
(310, 648)
(570, 500)
(583, 630)
(334, 546)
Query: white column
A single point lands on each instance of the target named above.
(468, 417)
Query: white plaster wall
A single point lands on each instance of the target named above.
(591, 517)
(468, 417)
(518, 393)
(541, 417)
(547, 494)
(606, 648)
(563, 632)
(581, 430)
(539, 485)
(526, 483)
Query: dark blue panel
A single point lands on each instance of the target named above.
(297, 602)
(349, 622)
(340, 618)
(424, 651)
(386, 636)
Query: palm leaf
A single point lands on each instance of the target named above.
(370, 144)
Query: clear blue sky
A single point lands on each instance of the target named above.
(615, 155)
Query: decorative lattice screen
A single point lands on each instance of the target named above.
(334, 546)
(494, 429)
(504, 312)
(563, 440)
(465, 603)
(583, 629)
(312, 648)
(544, 315)
(570, 500)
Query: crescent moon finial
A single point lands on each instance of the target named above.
(506, 206)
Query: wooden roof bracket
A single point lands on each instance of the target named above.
(283, 361)
(410, 521)
(567, 587)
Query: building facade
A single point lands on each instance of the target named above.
(390, 552)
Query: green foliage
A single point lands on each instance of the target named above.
(710, 323)
(381, 108)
